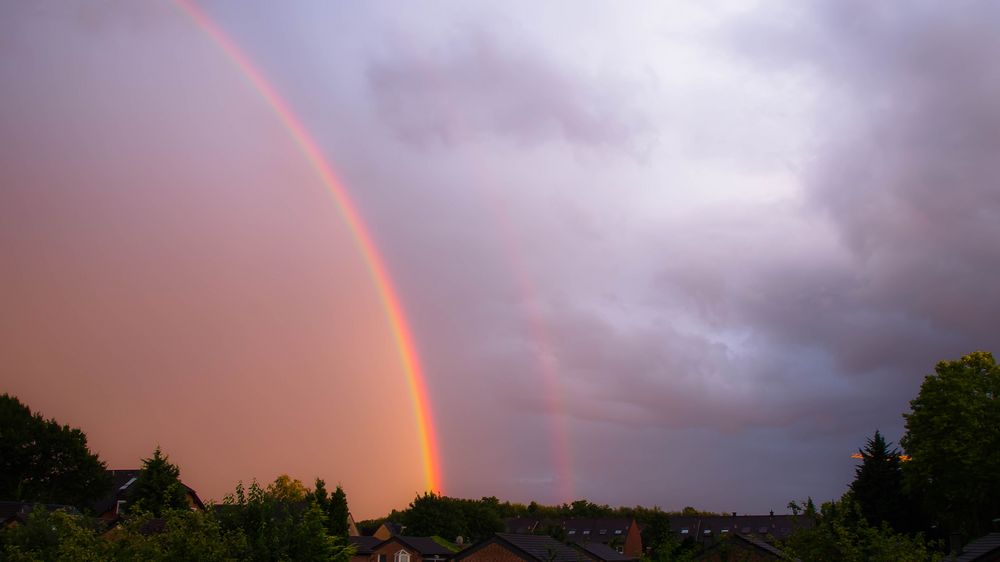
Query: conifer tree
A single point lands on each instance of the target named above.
(878, 484)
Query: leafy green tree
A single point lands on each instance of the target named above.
(878, 484)
(842, 534)
(276, 529)
(181, 534)
(287, 489)
(158, 487)
(953, 439)
(53, 536)
(43, 461)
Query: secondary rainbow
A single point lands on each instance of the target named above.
(373, 260)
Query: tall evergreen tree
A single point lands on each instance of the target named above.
(878, 484)
(333, 507)
(158, 487)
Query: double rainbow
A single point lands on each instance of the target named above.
(373, 260)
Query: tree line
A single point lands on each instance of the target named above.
(49, 464)
(901, 506)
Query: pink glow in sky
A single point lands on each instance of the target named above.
(658, 253)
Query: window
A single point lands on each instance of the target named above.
(604, 531)
(383, 557)
(620, 549)
(724, 531)
(120, 506)
(587, 532)
(618, 531)
(401, 556)
(571, 532)
(684, 530)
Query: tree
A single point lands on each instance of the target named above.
(841, 534)
(953, 440)
(276, 529)
(287, 489)
(878, 484)
(333, 507)
(158, 487)
(43, 461)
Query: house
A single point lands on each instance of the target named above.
(983, 549)
(114, 503)
(736, 546)
(400, 548)
(387, 530)
(706, 529)
(363, 547)
(600, 552)
(620, 534)
(522, 525)
(512, 547)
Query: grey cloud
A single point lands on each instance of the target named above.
(483, 87)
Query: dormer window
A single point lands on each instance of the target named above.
(401, 556)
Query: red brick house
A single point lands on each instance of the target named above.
(510, 547)
(399, 548)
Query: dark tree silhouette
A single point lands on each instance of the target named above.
(878, 484)
(43, 461)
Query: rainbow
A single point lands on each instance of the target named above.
(373, 260)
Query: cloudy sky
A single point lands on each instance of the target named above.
(664, 253)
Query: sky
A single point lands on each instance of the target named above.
(650, 253)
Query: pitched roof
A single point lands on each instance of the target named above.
(542, 548)
(523, 525)
(778, 526)
(979, 548)
(751, 542)
(426, 546)
(601, 551)
(363, 545)
(121, 484)
(597, 529)
(20, 510)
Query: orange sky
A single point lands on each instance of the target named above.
(180, 277)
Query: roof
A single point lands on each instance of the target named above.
(121, 484)
(980, 548)
(425, 546)
(596, 530)
(363, 545)
(601, 551)
(777, 526)
(523, 525)
(753, 543)
(20, 510)
(541, 548)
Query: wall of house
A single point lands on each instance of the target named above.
(633, 541)
(390, 549)
(493, 552)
